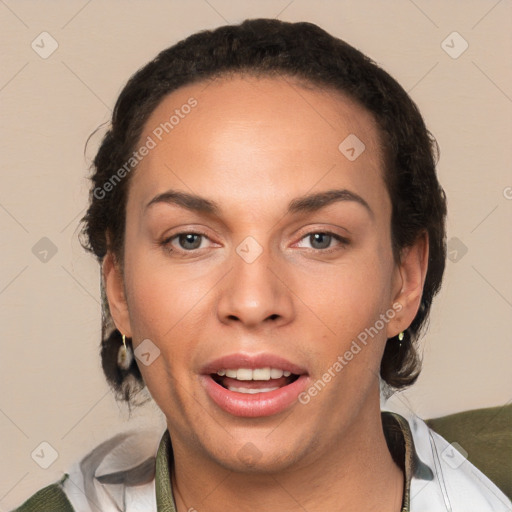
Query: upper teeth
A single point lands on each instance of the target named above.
(256, 374)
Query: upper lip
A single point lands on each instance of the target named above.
(252, 361)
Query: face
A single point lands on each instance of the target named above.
(258, 270)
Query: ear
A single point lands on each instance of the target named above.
(114, 288)
(409, 279)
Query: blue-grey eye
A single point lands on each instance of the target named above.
(322, 240)
(189, 241)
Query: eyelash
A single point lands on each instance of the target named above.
(166, 243)
(342, 241)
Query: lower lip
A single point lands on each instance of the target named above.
(257, 405)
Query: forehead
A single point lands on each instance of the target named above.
(251, 137)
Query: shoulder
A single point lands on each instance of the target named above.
(485, 437)
(49, 499)
(120, 470)
(454, 483)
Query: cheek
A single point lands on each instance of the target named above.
(348, 302)
(354, 293)
(161, 296)
(163, 308)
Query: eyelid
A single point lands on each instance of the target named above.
(343, 241)
(327, 229)
(194, 231)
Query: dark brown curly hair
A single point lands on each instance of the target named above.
(273, 48)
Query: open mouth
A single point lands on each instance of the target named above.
(256, 392)
(254, 381)
(253, 385)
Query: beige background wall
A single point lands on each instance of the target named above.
(52, 387)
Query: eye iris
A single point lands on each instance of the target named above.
(323, 240)
(189, 239)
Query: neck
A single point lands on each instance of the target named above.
(355, 473)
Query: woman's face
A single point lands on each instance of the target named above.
(258, 237)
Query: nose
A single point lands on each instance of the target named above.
(255, 294)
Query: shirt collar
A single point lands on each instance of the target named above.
(401, 445)
(164, 461)
(396, 430)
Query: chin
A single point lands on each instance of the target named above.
(250, 460)
(259, 454)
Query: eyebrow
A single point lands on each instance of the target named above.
(303, 204)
